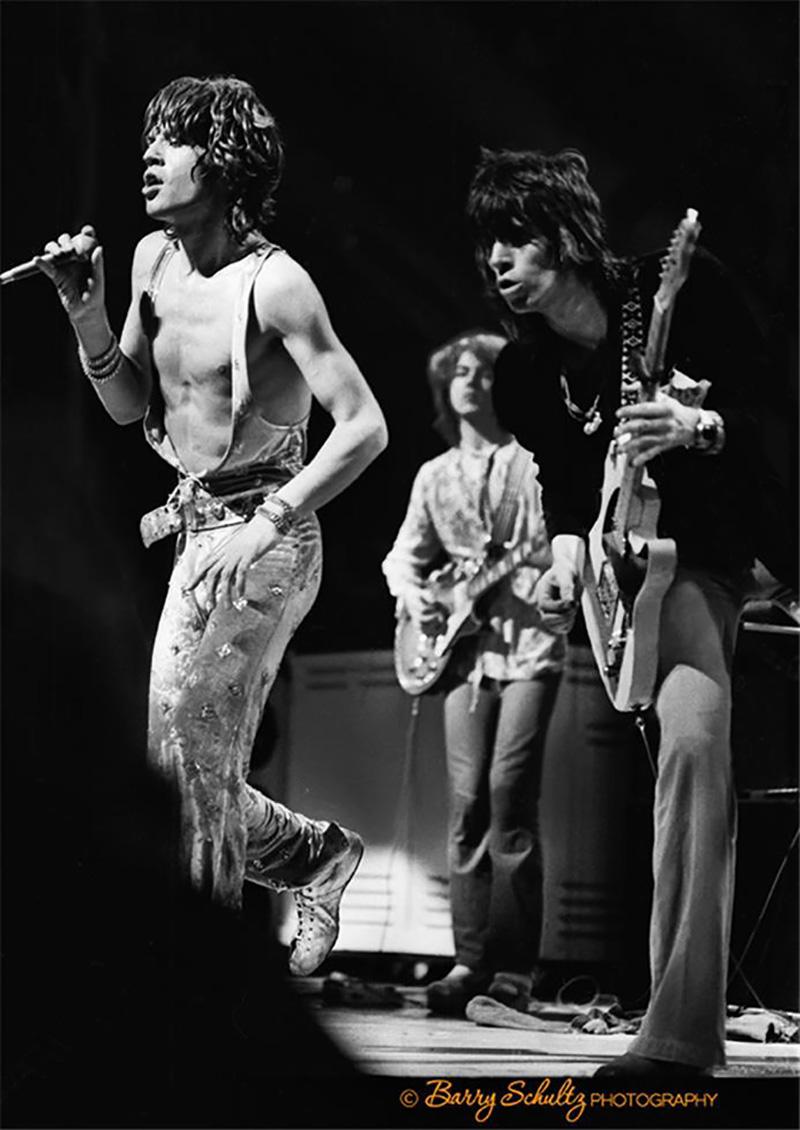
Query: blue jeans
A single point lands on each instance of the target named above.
(694, 823)
(494, 761)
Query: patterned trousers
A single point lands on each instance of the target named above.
(212, 670)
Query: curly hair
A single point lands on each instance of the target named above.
(442, 368)
(243, 151)
(518, 195)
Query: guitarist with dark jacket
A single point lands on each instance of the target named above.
(478, 499)
(568, 302)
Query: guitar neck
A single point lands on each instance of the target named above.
(491, 574)
(630, 482)
(656, 348)
(631, 479)
(654, 354)
(675, 268)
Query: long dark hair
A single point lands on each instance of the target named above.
(518, 195)
(441, 370)
(242, 146)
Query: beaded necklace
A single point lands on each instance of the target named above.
(590, 417)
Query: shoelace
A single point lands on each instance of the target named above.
(304, 900)
(304, 903)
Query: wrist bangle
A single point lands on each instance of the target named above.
(709, 433)
(279, 512)
(103, 367)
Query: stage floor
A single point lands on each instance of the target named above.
(410, 1042)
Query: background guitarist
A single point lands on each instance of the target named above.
(566, 298)
(499, 686)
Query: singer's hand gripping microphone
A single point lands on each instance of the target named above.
(84, 244)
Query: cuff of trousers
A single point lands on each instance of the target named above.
(290, 866)
(677, 1051)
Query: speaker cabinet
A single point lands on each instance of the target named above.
(353, 750)
(586, 792)
(358, 754)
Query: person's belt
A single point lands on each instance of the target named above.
(203, 503)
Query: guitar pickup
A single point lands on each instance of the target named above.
(614, 650)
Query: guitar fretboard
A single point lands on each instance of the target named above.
(631, 479)
(673, 275)
(490, 575)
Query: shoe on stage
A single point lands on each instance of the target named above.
(511, 989)
(632, 1066)
(319, 900)
(449, 997)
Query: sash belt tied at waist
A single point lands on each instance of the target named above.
(204, 503)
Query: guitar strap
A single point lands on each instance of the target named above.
(503, 525)
(632, 335)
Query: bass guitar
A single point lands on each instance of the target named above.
(628, 566)
(420, 658)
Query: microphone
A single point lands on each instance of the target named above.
(27, 270)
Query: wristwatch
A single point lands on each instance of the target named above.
(709, 433)
(279, 512)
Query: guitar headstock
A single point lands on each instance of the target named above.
(675, 265)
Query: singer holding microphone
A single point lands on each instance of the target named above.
(226, 342)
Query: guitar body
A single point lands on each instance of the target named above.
(420, 659)
(624, 585)
(628, 566)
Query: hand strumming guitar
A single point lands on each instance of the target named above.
(425, 611)
(559, 588)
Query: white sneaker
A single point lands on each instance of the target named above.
(318, 903)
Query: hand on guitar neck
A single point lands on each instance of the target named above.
(655, 425)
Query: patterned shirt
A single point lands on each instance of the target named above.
(454, 503)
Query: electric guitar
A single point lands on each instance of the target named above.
(628, 566)
(420, 659)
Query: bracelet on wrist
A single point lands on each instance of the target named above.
(103, 367)
(279, 512)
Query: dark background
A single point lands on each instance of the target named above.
(383, 108)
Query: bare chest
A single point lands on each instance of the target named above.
(193, 337)
(200, 326)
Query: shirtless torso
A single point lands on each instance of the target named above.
(181, 345)
(191, 347)
(225, 343)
